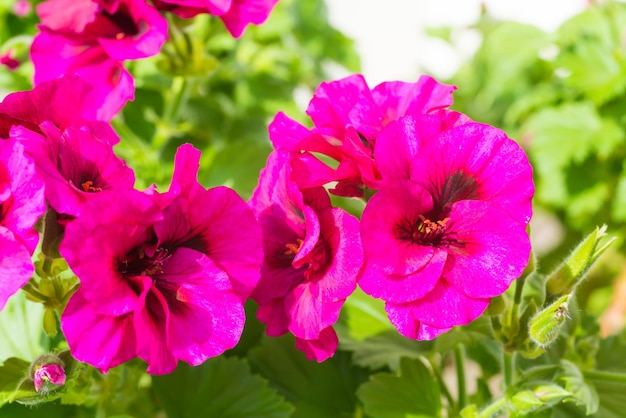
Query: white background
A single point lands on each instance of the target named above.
(390, 36)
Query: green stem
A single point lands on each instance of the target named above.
(32, 290)
(180, 93)
(459, 362)
(442, 384)
(519, 287)
(605, 376)
(493, 408)
(508, 368)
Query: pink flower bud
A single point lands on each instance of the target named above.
(52, 373)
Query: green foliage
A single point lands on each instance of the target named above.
(562, 96)
(413, 392)
(315, 390)
(221, 388)
(223, 97)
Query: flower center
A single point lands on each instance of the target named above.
(292, 249)
(123, 21)
(138, 263)
(88, 187)
(423, 231)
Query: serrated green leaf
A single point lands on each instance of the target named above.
(583, 392)
(412, 391)
(469, 334)
(220, 388)
(384, 349)
(563, 136)
(525, 401)
(592, 53)
(315, 389)
(12, 372)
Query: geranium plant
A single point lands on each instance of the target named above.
(179, 239)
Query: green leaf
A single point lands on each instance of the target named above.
(470, 334)
(315, 389)
(618, 204)
(47, 410)
(592, 53)
(20, 328)
(366, 315)
(583, 392)
(563, 136)
(384, 349)
(413, 391)
(220, 388)
(12, 373)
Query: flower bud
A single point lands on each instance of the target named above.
(546, 325)
(565, 278)
(49, 373)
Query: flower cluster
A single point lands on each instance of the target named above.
(448, 199)
(163, 276)
(92, 39)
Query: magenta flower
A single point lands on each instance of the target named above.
(22, 8)
(439, 245)
(312, 256)
(74, 164)
(49, 373)
(90, 38)
(7, 59)
(163, 277)
(236, 14)
(21, 204)
(348, 117)
(65, 102)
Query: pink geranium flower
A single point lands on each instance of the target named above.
(312, 256)
(441, 243)
(21, 204)
(74, 164)
(347, 117)
(65, 102)
(7, 59)
(236, 14)
(91, 38)
(163, 277)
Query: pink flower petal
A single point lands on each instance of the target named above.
(399, 289)
(402, 318)
(207, 316)
(446, 307)
(243, 13)
(382, 221)
(399, 99)
(491, 245)
(319, 349)
(16, 266)
(101, 340)
(497, 165)
(346, 102)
